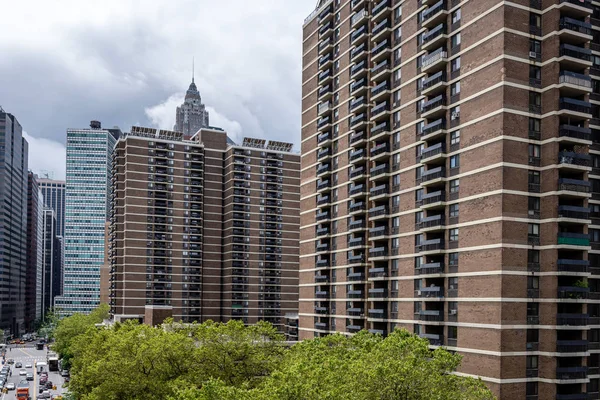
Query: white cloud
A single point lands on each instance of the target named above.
(46, 156)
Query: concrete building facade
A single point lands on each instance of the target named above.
(35, 219)
(54, 197)
(203, 228)
(13, 224)
(450, 183)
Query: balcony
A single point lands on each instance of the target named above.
(358, 52)
(434, 14)
(358, 17)
(356, 242)
(379, 149)
(572, 319)
(571, 346)
(378, 293)
(326, 30)
(432, 245)
(356, 259)
(322, 216)
(380, 29)
(378, 211)
(357, 190)
(573, 212)
(379, 130)
(357, 207)
(325, 77)
(357, 224)
(323, 326)
(355, 294)
(357, 155)
(323, 154)
(379, 191)
(358, 70)
(358, 173)
(379, 90)
(382, 49)
(434, 61)
(355, 276)
(433, 130)
(434, 37)
(573, 239)
(323, 185)
(575, 132)
(434, 107)
(359, 35)
(432, 176)
(434, 84)
(381, 9)
(379, 171)
(380, 70)
(430, 292)
(378, 252)
(568, 105)
(378, 313)
(579, 8)
(323, 169)
(357, 138)
(432, 223)
(432, 153)
(324, 123)
(433, 199)
(431, 268)
(358, 87)
(569, 158)
(572, 83)
(322, 294)
(381, 110)
(378, 272)
(572, 25)
(322, 263)
(575, 56)
(325, 61)
(434, 340)
(431, 315)
(378, 232)
(573, 292)
(576, 266)
(577, 186)
(571, 373)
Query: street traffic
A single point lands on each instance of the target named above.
(25, 374)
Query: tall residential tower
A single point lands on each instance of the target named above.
(87, 198)
(204, 228)
(451, 183)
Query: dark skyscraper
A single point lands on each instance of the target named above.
(192, 114)
(35, 206)
(54, 197)
(13, 224)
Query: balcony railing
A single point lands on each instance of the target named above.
(433, 57)
(571, 346)
(433, 197)
(575, 25)
(573, 212)
(572, 319)
(434, 80)
(434, 126)
(576, 79)
(571, 373)
(434, 33)
(574, 185)
(566, 265)
(575, 132)
(431, 268)
(434, 103)
(572, 158)
(575, 105)
(433, 9)
(581, 3)
(573, 239)
(581, 53)
(431, 174)
(434, 150)
(573, 292)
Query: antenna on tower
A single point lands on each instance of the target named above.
(193, 69)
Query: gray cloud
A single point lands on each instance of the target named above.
(123, 62)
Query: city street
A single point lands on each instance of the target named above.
(29, 355)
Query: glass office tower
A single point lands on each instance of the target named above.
(89, 153)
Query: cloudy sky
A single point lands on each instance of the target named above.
(127, 62)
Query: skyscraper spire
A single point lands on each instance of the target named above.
(193, 69)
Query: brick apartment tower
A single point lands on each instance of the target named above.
(451, 183)
(204, 229)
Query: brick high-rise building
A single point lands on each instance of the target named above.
(451, 183)
(204, 228)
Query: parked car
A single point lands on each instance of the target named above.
(28, 365)
(22, 372)
(44, 395)
(64, 373)
(29, 376)
(18, 365)
(10, 361)
(10, 386)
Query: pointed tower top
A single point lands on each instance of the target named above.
(193, 69)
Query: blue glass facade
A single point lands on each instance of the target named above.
(87, 196)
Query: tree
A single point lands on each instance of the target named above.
(68, 329)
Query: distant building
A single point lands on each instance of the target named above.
(191, 116)
(89, 155)
(13, 224)
(105, 268)
(204, 228)
(33, 288)
(54, 197)
(52, 250)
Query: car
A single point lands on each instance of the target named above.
(64, 373)
(44, 373)
(18, 365)
(49, 385)
(44, 395)
(28, 365)
(29, 376)
(2, 382)
(10, 361)
(22, 372)
(43, 380)
(10, 386)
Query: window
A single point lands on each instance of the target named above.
(532, 362)
(533, 336)
(395, 243)
(533, 282)
(535, 99)
(455, 113)
(453, 235)
(534, 125)
(455, 137)
(455, 64)
(455, 161)
(454, 210)
(395, 201)
(534, 177)
(398, 33)
(533, 204)
(396, 158)
(453, 259)
(418, 194)
(418, 239)
(535, 73)
(398, 13)
(455, 40)
(533, 309)
(417, 307)
(452, 307)
(397, 96)
(455, 88)
(418, 217)
(454, 186)
(533, 230)
(453, 283)
(535, 46)
(534, 150)
(452, 332)
(396, 180)
(397, 75)
(396, 222)
(456, 14)
(535, 20)
(594, 235)
(531, 389)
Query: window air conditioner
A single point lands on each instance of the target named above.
(532, 54)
